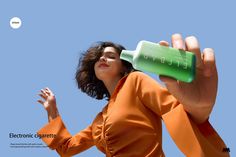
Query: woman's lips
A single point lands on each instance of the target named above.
(103, 65)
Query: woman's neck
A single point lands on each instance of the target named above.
(111, 84)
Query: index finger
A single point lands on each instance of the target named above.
(49, 91)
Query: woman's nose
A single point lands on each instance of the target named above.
(103, 58)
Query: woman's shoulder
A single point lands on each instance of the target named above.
(138, 75)
(143, 82)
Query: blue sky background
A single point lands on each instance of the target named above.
(45, 50)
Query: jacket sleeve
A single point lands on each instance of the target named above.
(56, 136)
(194, 140)
(152, 94)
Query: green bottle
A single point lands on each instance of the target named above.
(162, 60)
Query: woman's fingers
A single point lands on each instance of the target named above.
(204, 61)
(44, 93)
(41, 102)
(164, 43)
(192, 45)
(177, 41)
(42, 96)
(49, 91)
(209, 62)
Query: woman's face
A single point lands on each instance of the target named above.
(109, 66)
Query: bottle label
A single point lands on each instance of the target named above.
(180, 63)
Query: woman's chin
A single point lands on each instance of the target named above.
(103, 75)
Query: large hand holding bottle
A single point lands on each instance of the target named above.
(198, 97)
(189, 75)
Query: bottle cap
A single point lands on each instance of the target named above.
(127, 55)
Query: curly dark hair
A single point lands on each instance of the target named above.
(85, 74)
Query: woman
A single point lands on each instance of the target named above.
(130, 124)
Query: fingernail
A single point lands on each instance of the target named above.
(179, 44)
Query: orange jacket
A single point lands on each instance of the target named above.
(130, 125)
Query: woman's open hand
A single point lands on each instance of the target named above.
(49, 102)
